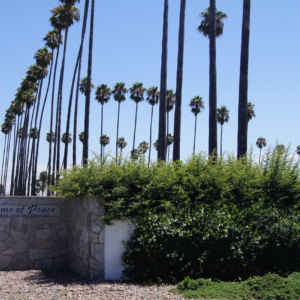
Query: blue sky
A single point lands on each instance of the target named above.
(127, 47)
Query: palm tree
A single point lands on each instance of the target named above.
(260, 143)
(156, 145)
(222, 117)
(298, 152)
(78, 70)
(205, 22)
(104, 141)
(81, 137)
(64, 138)
(121, 143)
(243, 84)
(161, 153)
(212, 26)
(170, 140)
(83, 86)
(87, 99)
(153, 97)
(53, 41)
(134, 154)
(197, 105)
(63, 17)
(177, 114)
(137, 95)
(119, 92)
(170, 101)
(50, 137)
(102, 96)
(143, 147)
(250, 112)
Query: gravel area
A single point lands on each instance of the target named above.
(64, 284)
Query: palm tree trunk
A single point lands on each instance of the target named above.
(259, 154)
(162, 140)
(65, 161)
(3, 163)
(88, 96)
(150, 135)
(51, 123)
(78, 61)
(135, 121)
(177, 114)
(221, 140)
(101, 133)
(212, 139)
(14, 156)
(40, 127)
(195, 130)
(117, 130)
(243, 85)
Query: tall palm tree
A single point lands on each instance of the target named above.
(53, 41)
(119, 92)
(137, 95)
(242, 137)
(156, 145)
(79, 61)
(81, 137)
(222, 117)
(177, 115)
(197, 105)
(102, 96)
(121, 143)
(87, 99)
(212, 26)
(153, 97)
(63, 17)
(260, 143)
(104, 141)
(161, 153)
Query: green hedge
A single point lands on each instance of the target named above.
(226, 218)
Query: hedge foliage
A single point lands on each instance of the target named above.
(228, 219)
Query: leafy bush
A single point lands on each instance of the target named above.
(226, 218)
(268, 287)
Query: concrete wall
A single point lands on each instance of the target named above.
(114, 248)
(32, 239)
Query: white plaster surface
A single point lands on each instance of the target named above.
(113, 248)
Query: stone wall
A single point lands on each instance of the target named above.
(33, 233)
(86, 238)
(40, 233)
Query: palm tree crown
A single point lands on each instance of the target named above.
(121, 143)
(250, 111)
(197, 105)
(153, 95)
(83, 86)
(53, 39)
(222, 115)
(204, 25)
(64, 138)
(119, 92)
(261, 142)
(137, 92)
(102, 94)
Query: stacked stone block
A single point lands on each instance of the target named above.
(33, 242)
(86, 238)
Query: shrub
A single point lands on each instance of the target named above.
(224, 218)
